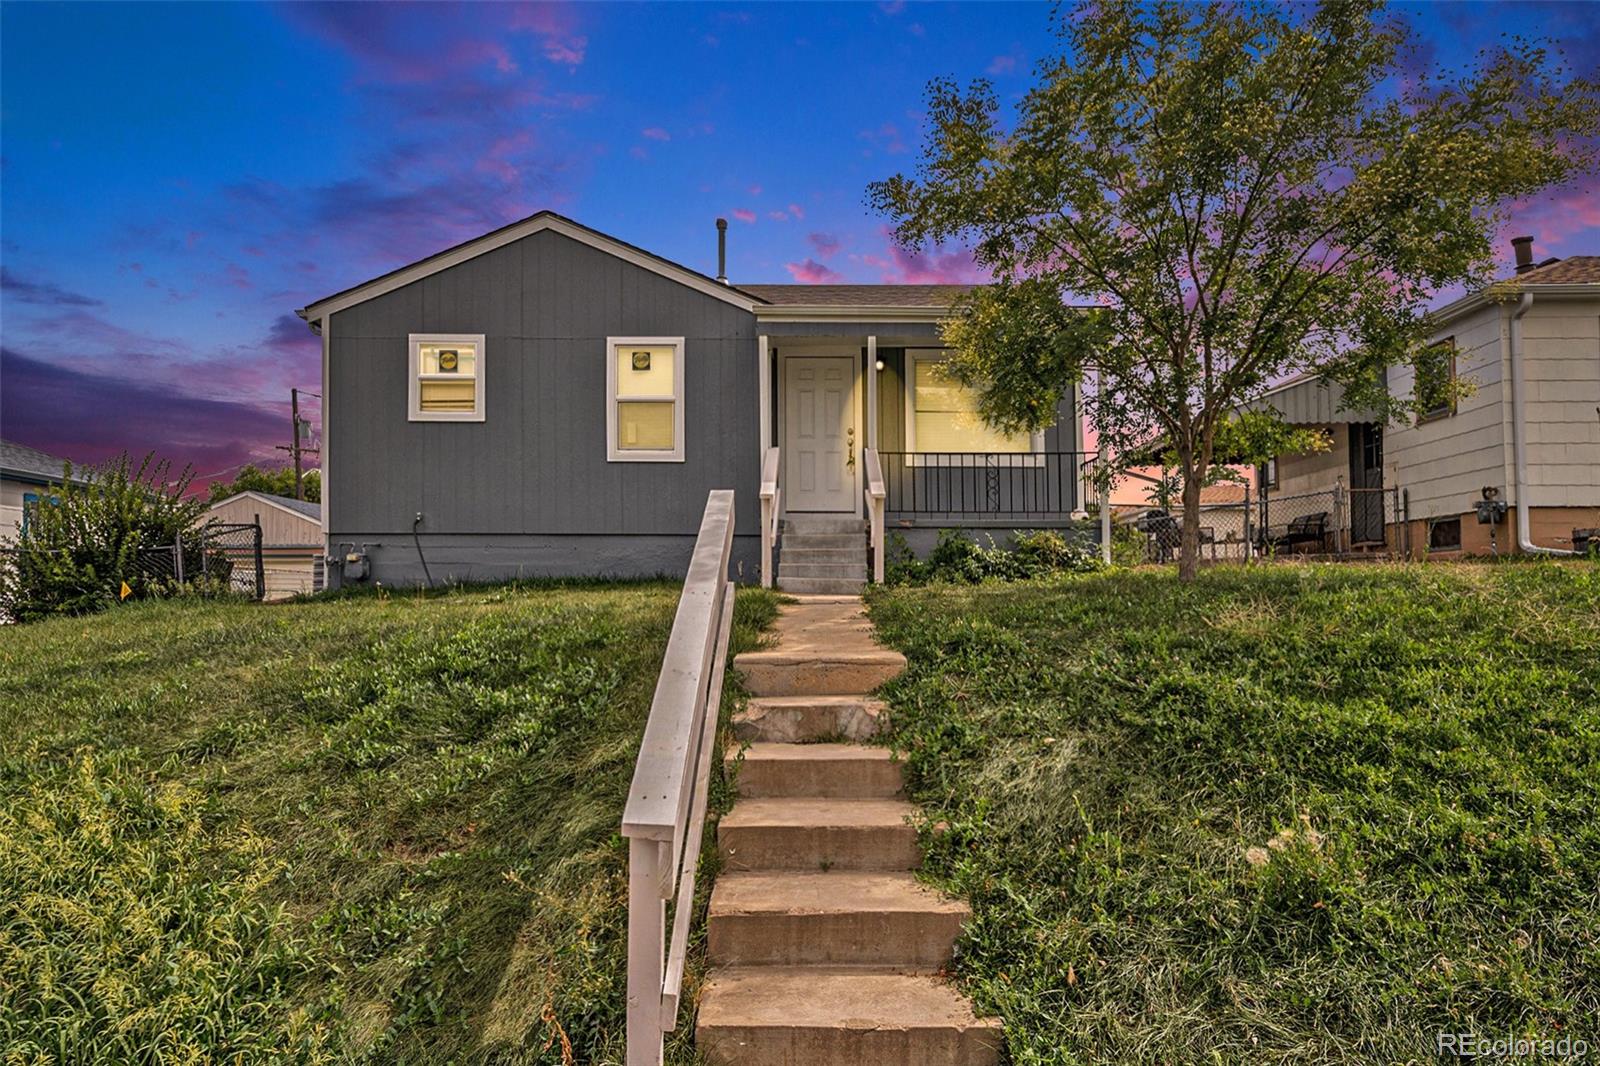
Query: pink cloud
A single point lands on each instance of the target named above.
(897, 266)
(797, 211)
(811, 272)
(885, 138)
(755, 190)
(655, 133)
(639, 151)
(1006, 64)
(743, 214)
(784, 214)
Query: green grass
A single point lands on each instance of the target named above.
(1296, 814)
(369, 829)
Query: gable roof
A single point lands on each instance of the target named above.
(22, 463)
(301, 508)
(535, 223)
(940, 296)
(1575, 277)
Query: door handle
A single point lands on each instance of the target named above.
(850, 441)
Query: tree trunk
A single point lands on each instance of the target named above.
(1189, 546)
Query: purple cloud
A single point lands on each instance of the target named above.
(655, 133)
(743, 214)
(811, 272)
(41, 292)
(826, 244)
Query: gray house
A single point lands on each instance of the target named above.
(546, 400)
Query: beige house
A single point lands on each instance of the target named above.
(1512, 466)
(291, 539)
(27, 478)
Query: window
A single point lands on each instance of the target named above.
(30, 503)
(644, 399)
(942, 414)
(1444, 535)
(447, 377)
(1436, 375)
(1267, 474)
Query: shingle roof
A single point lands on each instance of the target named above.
(310, 510)
(1573, 270)
(31, 462)
(857, 295)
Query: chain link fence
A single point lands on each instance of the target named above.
(1339, 523)
(220, 558)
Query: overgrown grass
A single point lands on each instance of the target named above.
(1296, 814)
(376, 829)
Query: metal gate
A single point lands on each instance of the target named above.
(217, 558)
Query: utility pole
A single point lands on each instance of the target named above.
(294, 415)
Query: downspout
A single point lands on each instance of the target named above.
(1519, 433)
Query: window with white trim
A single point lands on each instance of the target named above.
(942, 414)
(446, 377)
(644, 399)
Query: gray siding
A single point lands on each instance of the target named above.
(536, 466)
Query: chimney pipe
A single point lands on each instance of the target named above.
(722, 250)
(1524, 250)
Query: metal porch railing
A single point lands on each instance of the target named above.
(1010, 486)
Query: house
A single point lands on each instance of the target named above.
(1512, 466)
(26, 477)
(291, 539)
(550, 400)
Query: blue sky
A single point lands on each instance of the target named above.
(177, 179)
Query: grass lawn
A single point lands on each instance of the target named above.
(1295, 814)
(368, 829)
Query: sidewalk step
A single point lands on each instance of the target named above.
(818, 835)
(842, 918)
(823, 586)
(796, 719)
(818, 673)
(788, 1016)
(837, 771)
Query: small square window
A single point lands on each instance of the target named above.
(1444, 535)
(446, 377)
(644, 399)
(1435, 381)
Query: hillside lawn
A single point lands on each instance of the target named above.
(364, 829)
(1292, 814)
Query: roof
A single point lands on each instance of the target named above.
(940, 296)
(1573, 270)
(22, 463)
(1307, 400)
(304, 508)
(515, 231)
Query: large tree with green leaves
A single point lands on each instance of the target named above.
(1230, 193)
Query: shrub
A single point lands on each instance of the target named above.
(81, 547)
(957, 558)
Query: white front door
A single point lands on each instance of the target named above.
(819, 433)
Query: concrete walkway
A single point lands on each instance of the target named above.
(824, 946)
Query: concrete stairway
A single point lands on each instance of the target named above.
(821, 554)
(824, 946)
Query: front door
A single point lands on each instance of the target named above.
(819, 433)
(1366, 483)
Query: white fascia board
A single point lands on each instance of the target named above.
(501, 238)
(839, 313)
(1506, 292)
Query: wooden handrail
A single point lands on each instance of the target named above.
(665, 814)
(771, 504)
(875, 495)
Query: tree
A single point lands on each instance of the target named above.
(86, 536)
(252, 478)
(1237, 193)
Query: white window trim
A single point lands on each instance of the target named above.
(1031, 458)
(615, 454)
(414, 388)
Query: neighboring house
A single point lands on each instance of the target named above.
(291, 539)
(26, 478)
(549, 400)
(1528, 435)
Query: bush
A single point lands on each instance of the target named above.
(82, 546)
(957, 558)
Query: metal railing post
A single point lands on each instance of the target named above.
(261, 568)
(1249, 543)
(177, 556)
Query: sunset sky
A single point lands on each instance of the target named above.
(177, 179)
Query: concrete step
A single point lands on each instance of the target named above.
(788, 1016)
(886, 920)
(844, 569)
(835, 771)
(810, 672)
(823, 586)
(796, 719)
(822, 540)
(821, 523)
(818, 835)
(824, 555)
